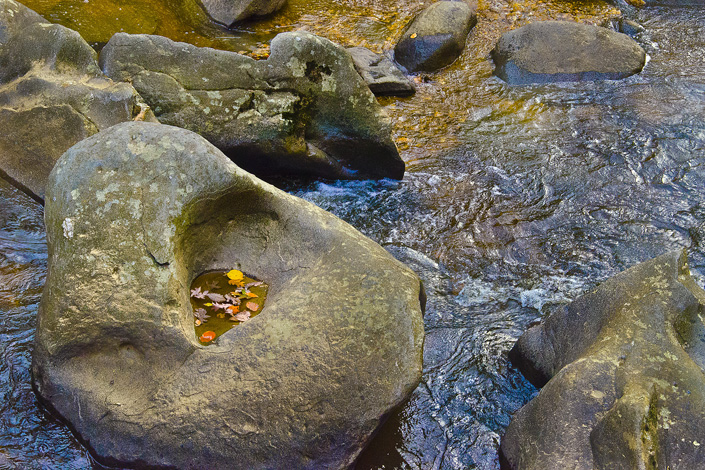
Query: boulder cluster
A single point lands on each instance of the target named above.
(145, 157)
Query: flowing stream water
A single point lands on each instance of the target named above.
(516, 200)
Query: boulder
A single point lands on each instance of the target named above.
(381, 74)
(435, 37)
(558, 51)
(304, 110)
(52, 95)
(623, 368)
(228, 12)
(133, 215)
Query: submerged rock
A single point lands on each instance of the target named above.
(228, 12)
(133, 215)
(303, 110)
(381, 74)
(52, 95)
(435, 37)
(624, 367)
(555, 51)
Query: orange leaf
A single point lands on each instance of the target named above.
(234, 308)
(207, 336)
(252, 306)
(252, 295)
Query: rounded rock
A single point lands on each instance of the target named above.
(435, 37)
(559, 51)
(133, 215)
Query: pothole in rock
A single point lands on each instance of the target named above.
(224, 299)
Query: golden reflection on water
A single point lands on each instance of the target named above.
(432, 121)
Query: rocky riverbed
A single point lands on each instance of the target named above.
(515, 201)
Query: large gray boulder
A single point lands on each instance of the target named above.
(133, 215)
(435, 37)
(381, 74)
(52, 95)
(557, 51)
(625, 366)
(228, 12)
(303, 110)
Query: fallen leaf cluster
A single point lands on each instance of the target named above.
(230, 303)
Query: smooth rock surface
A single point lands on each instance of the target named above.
(435, 37)
(304, 110)
(52, 95)
(228, 12)
(557, 51)
(133, 215)
(625, 373)
(381, 74)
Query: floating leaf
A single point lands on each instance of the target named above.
(235, 282)
(201, 314)
(217, 306)
(413, 36)
(198, 322)
(231, 299)
(252, 306)
(197, 293)
(213, 285)
(208, 304)
(253, 284)
(234, 308)
(220, 315)
(242, 316)
(252, 295)
(215, 297)
(207, 336)
(235, 275)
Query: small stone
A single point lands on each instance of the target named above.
(381, 74)
(435, 37)
(557, 51)
(229, 12)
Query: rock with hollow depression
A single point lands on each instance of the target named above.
(304, 110)
(133, 215)
(624, 375)
(559, 51)
(52, 95)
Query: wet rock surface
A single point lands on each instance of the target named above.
(52, 95)
(623, 368)
(304, 110)
(133, 214)
(435, 37)
(232, 11)
(557, 51)
(381, 74)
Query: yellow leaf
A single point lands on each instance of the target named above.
(235, 275)
(413, 36)
(208, 304)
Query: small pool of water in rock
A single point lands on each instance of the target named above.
(224, 299)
